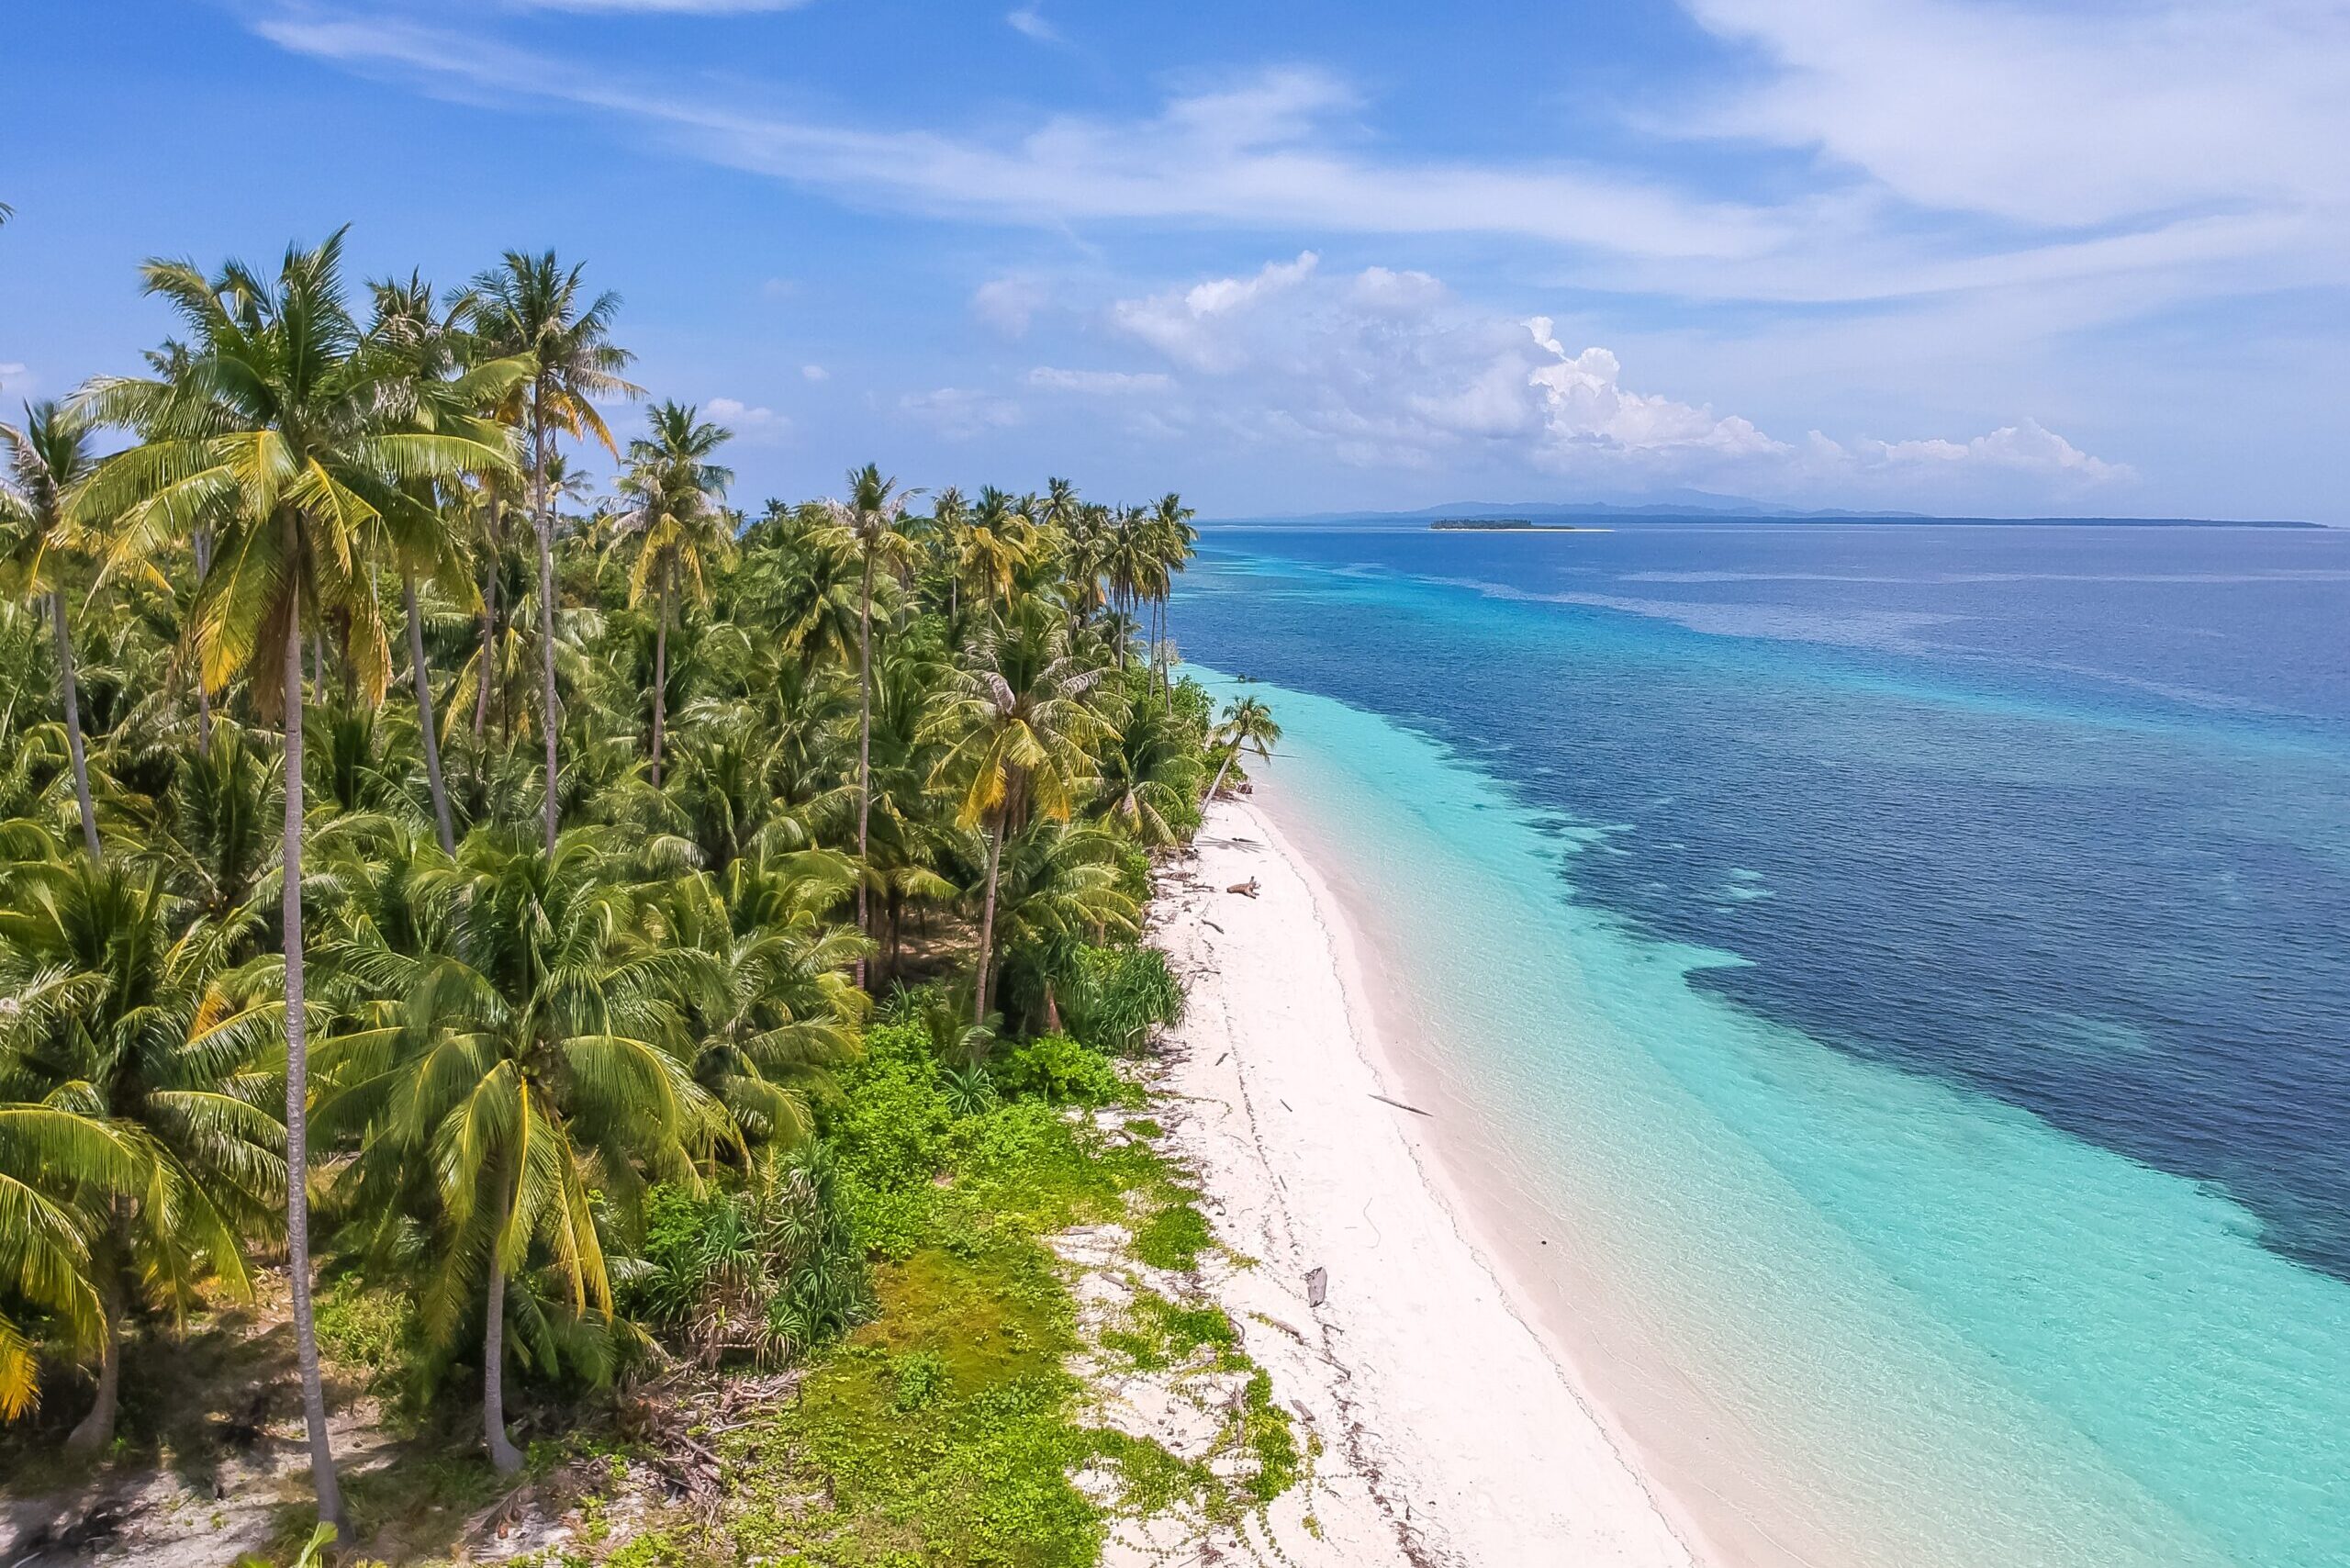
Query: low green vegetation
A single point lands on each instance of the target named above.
(488, 945)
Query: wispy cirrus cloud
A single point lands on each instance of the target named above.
(1029, 21)
(1257, 151)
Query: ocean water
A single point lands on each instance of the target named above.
(1890, 987)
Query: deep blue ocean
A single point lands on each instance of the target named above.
(2059, 817)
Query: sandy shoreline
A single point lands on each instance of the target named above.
(1448, 1433)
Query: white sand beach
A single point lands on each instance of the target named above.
(1449, 1434)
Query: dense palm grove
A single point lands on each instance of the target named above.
(531, 859)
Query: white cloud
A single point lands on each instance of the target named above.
(2028, 446)
(1267, 151)
(1009, 304)
(1030, 20)
(758, 424)
(815, 373)
(1388, 369)
(2068, 118)
(15, 376)
(662, 7)
(960, 413)
(1098, 382)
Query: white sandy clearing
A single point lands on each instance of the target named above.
(1448, 1434)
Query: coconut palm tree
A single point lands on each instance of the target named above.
(272, 431)
(59, 1164)
(49, 456)
(429, 536)
(867, 525)
(509, 1077)
(1169, 536)
(533, 305)
(680, 527)
(111, 1018)
(1150, 775)
(1248, 725)
(1017, 725)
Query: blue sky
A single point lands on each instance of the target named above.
(2011, 258)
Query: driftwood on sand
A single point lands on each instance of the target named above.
(1245, 889)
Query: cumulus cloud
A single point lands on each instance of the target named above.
(1388, 368)
(748, 420)
(960, 413)
(2026, 446)
(815, 373)
(1007, 305)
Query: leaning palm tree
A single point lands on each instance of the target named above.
(272, 431)
(49, 457)
(1017, 726)
(867, 525)
(1248, 725)
(533, 305)
(679, 524)
(512, 1081)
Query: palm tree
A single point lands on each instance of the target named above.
(531, 305)
(58, 1163)
(1248, 725)
(868, 524)
(1017, 726)
(427, 535)
(513, 1078)
(272, 431)
(111, 1018)
(1170, 536)
(49, 456)
(1150, 774)
(679, 524)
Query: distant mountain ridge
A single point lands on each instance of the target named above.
(1700, 506)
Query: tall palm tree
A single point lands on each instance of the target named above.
(272, 431)
(533, 305)
(429, 536)
(1248, 725)
(866, 524)
(1171, 536)
(49, 456)
(1017, 725)
(680, 527)
(517, 1075)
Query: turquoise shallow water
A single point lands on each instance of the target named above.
(1861, 1304)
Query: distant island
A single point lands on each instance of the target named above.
(1516, 524)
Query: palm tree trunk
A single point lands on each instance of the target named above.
(1220, 770)
(503, 1454)
(895, 917)
(95, 1431)
(660, 677)
(297, 1101)
(545, 520)
(71, 691)
(424, 716)
(864, 747)
(987, 922)
(203, 698)
(488, 620)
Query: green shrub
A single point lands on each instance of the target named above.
(918, 1376)
(1123, 994)
(1063, 1072)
